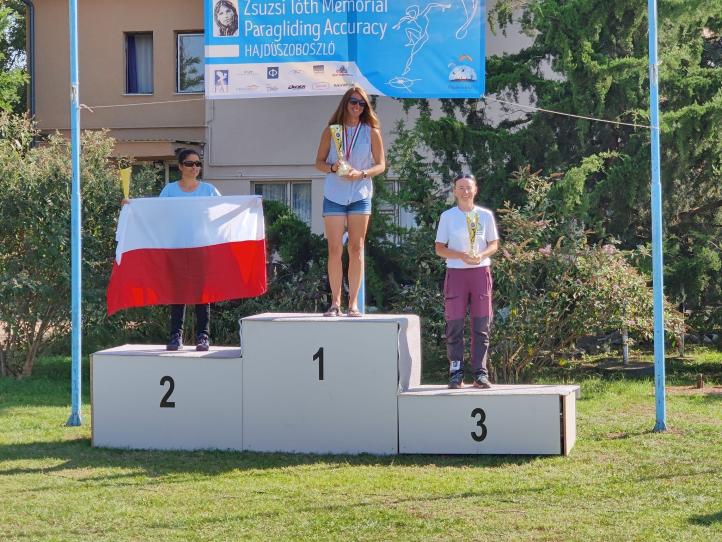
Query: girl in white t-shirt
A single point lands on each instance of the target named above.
(468, 279)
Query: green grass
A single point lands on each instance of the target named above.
(621, 481)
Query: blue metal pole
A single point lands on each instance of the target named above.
(657, 261)
(362, 288)
(75, 220)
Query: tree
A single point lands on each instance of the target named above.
(35, 236)
(598, 53)
(13, 74)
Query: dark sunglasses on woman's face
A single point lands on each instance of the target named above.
(354, 101)
(191, 163)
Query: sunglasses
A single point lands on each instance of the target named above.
(354, 101)
(191, 163)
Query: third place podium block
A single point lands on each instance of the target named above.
(326, 385)
(507, 419)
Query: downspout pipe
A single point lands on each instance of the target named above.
(30, 55)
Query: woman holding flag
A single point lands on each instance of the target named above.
(354, 158)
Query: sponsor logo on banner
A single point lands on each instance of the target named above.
(342, 85)
(251, 88)
(319, 68)
(271, 88)
(297, 71)
(296, 87)
(221, 81)
(272, 72)
(321, 86)
(248, 73)
(342, 71)
(462, 74)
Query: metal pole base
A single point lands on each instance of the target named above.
(660, 427)
(74, 421)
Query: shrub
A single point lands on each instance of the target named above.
(35, 236)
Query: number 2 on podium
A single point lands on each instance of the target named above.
(164, 402)
(319, 356)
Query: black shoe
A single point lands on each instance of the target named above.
(481, 381)
(202, 343)
(456, 380)
(175, 343)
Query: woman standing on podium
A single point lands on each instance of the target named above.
(467, 238)
(189, 185)
(351, 153)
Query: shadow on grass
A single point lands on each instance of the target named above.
(79, 455)
(707, 519)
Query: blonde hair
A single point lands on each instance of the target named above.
(367, 115)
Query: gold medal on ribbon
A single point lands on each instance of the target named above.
(472, 226)
(344, 168)
(124, 174)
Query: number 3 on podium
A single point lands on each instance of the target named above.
(480, 422)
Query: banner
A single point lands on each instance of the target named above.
(400, 48)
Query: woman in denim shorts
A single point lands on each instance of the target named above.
(347, 199)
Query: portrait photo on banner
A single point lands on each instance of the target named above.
(225, 18)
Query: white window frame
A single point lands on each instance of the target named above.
(177, 63)
(287, 200)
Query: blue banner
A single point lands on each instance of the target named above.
(400, 48)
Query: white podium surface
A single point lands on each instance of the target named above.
(312, 384)
(507, 419)
(146, 398)
(326, 385)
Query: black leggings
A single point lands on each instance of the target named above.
(203, 318)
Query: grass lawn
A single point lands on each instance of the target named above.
(621, 481)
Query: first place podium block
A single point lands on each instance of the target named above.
(146, 398)
(326, 385)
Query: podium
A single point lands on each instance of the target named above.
(507, 419)
(308, 384)
(146, 398)
(331, 383)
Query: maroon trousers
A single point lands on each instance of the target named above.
(468, 288)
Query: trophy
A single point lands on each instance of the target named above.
(344, 168)
(124, 174)
(472, 225)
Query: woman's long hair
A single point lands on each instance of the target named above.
(232, 28)
(367, 115)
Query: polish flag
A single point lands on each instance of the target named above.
(188, 251)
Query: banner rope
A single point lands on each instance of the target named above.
(484, 98)
(551, 111)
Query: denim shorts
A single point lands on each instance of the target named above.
(360, 207)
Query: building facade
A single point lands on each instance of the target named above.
(141, 78)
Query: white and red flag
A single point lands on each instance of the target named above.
(188, 251)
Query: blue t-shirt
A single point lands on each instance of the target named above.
(173, 190)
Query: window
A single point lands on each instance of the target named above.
(399, 216)
(190, 64)
(139, 63)
(297, 195)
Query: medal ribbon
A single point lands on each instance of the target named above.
(348, 148)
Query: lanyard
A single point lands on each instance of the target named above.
(348, 148)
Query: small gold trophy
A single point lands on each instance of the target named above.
(472, 225)
(124, 174)
(344, 168)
